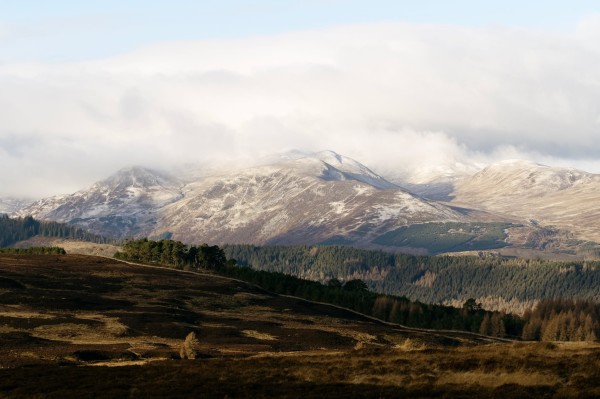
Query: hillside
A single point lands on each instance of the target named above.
(12, 204)
(328, 198)
(307, 200)
(82, 309)
(59, 314)
(122, 205)
(561, 197)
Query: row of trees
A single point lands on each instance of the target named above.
(563, 320)
(13, 230)
(34, 251)
(174, 254)
(435, 279)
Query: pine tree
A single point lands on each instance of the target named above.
(486, 326)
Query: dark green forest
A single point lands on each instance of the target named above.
(429, 279)
(446, 237)
(13, 230)
(34, 251)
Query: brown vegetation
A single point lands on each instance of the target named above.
(59, 313)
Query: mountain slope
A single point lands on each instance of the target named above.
(563, 197)
(124, 204)
(11, 204)
(301, 198)
(306, 200)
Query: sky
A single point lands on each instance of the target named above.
(405, 87)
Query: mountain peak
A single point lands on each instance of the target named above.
(331, 156)
(340, 167)
(516, 162)
(516, 178)
(523, 173)
(139, 177)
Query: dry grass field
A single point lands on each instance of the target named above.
(82, 326)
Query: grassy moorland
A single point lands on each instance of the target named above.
(66, 321)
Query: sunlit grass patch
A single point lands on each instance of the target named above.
(258, 335)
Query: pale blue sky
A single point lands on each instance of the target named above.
(66, 30)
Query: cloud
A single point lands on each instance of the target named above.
(398, 97)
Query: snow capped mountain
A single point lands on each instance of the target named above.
(563, 197)
(11, 204)
(349, 169)
(434, 182)
(124, 204)
(305, 200)
(301, 198)
(323, 197)
(517, 178)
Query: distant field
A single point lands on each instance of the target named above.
(447, 237)
(67, 321)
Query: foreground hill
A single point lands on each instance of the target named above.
(59, 314)
(75, 309)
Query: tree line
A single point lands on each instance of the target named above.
(558, 319)
(13, 230)
(173, 253)
(431, 279)
(34, 251)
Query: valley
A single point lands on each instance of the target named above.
(299, 199)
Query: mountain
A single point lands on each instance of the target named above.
(563, 197)
(300, 198)
(322, 197)
(124, 204)
(12, 204)
(327, 198)
(434, 182)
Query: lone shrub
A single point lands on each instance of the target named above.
(190, 347)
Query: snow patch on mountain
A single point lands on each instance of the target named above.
(303, 200)
(563, 197)
(121, 205)
(10, 205)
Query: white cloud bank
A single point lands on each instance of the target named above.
(394, 96)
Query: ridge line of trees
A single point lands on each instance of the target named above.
(34, 251)
(13, 230)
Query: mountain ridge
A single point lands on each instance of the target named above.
(324, 197)
(566, 198)
(117, 206)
